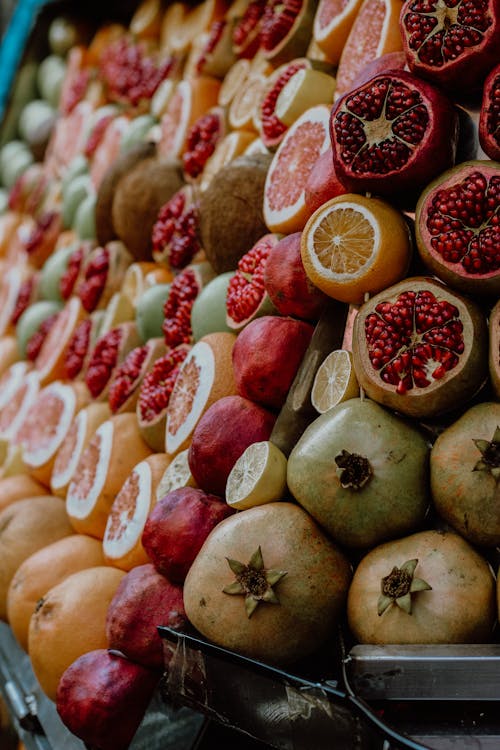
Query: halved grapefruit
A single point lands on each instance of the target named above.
(50, 361)
(332, 24)
(22, 398)
(10, 379)
(122, 543)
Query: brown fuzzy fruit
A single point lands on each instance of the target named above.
(226, 235)
(138, 198)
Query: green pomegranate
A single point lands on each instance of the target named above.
(362, 473)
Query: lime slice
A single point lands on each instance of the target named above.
(258, 476)
(335, 381)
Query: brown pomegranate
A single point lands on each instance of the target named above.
(452, 44)
(430, 587)
(108, 353)
(489, 117)
(175, 232)
(102, 698)
(128, 376)
(267, 583)
(392, 135)
(420, 348)
(457, 227)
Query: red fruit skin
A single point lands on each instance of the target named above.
(382, 64)
(144, 599)
(266, 357)
(223, 433)
(323, 183)
(102, 698)
(177, 527)
(489, 116)
(287, 284)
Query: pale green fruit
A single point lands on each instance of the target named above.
(84, 220)
(16, 166)
(50, 77)
(34, 115)
(53, 268)
(77, 166)
(208, 314)
(31, 320)
(149, 311)
(4, 201)
(74, 194)
(137, 131)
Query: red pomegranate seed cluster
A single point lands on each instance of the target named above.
(103, 361)
(247, 287)
(77, 349)
(76, 92)
(201, 142)
(23, 299)
(97, 135)
(177, 308)
(272, 128)
(279, 17)
(158, 384)
(43, 224)
(125, 377)
(175, 232)
(94, 281)
(215, 35)
(68, 279)
(35, 343)
(250, 19)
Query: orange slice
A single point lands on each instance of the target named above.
(332, 23)
(122, 543)
(191, 99)
(305, 89)
(284, 191)
(353, 246)
(374, 33)
(45, 427)
(50, 361)
(231, 146)
(246, 103)
(77, 438)
(115, 448)
(195, 22)
(205, 376)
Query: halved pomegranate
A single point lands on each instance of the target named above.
(246, 296)
(175, 233)
(393, 135)
(272, 129)
(286, 28)
(454, 44)
(420, 348)
(457, 226)
(108, 353)
(103, 275)
(41, 241)
(489, 117)
(177, 309)
(246, 33)
(72, 276)
(127, 378)
(81, 345)
(202, 138)
(217, 54)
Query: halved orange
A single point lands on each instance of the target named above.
(246, 102)
(354, 245)
(50, 361)
(374, 33)
(142, 275)
(332, 23)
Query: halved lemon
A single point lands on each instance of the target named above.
(176, 475)
(335, 381)
(258, 476)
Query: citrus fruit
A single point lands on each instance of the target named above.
(21, 400)
(305, 89)
(41, 571)
(205, 376)
(118, 310)
(258, 476)
(149, 311)
(122, 543)
(353, 246)
(25, 527)
(284, 202)
(374, 33)
(335, 381)
(45, 427)
(108, 149)
(332, 23)
(49, 363)
(176, 475)
(233, 81)
(171, 25)
(19, 487)
(77, 438)
(70, 620)
(246, 101)
(113, 451)
(147, 19)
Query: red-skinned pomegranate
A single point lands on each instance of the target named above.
(489, 116)
(28, 292)
(103, 275)
(177, 527)
(266, 357)
(154, 395)
(420, 348)
(220, 437)
(392, 135)
(246, 296)
(457, 227)
(382, 64)
(322, 183)
(451, 44)
(73, 274)
(144, 599)
(287, 284)
(286, 29)
(430, 587)
(127, 378)
(81, 345)
(272, 129)
(102, 698)
(175, 233)
(177, 308)
(108, 353)
(246, 32)
(202, 138)
(465, 466)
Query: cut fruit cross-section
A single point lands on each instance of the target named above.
(17, 408)
(258, 476)
(332, 23)
(50, 361)
(335, 381)
(176, 475)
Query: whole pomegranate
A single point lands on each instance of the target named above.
(392, 135)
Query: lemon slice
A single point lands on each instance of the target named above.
(258, 476)
(335, 381)
(305, 89)
(176, 475)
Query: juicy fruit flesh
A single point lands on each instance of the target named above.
(272, 127)
(175, 231)
(329, 10)
(414, 341)
(177, 308)
(345, 240)
(39, 430)
(493, 112)
(463, 221)
(246, 288)
(77, 349)
(279, 17)
(379, 126)
(126, 377)
(158, 385)
(441, 31)
(103, 361)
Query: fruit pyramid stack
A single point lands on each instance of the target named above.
(249, 339)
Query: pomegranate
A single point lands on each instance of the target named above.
(272, 129)
(392, 135)
(144, 599)
(465, 467)
(217, 53)
(430, 587)
(110, 350)
(246, 296)
(246, 32)
(102, 698)
(103, 275)
(71, 277)
(175, 233)
(177, 527)
(35, 342)
(81, 345)
(489, 117)
(268, 583)
(42, 239)
(201, 140)
(154, 395)
(322, 184)
(266, 357)
(420, 348)
(286, 29)
(127, 377)
(287, 284)
(453, 44)
(177, 309)
(383, 64)
(220, 437)
(362, 473)
(457, 226)
(27, 294)
(29, 190)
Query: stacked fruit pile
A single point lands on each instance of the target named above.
(249, 346)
